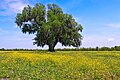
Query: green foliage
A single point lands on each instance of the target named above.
(50, 26)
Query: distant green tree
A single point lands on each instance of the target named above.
(50, 25)
(97, 48)
(117, 48)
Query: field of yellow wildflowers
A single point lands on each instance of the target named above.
(60, 65)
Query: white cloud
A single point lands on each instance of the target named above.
(100, 40)
(17, 6)
(114, 25)
(111, 39)
(15, 25)
(8, 7)
(17, 40)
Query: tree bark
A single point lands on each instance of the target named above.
(52, 46)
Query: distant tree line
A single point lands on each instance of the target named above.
(115, 48)
(3, 49)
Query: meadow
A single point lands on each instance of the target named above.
(60, 65)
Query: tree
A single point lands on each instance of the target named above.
(50, 26)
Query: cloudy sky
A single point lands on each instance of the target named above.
(100, 20)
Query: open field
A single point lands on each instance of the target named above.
(60, 65)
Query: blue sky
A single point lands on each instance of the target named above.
(100, 20)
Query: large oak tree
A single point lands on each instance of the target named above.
(50, 25)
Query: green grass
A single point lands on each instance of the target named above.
(60, 65)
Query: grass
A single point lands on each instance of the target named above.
(60, 65)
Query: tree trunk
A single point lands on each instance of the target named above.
(52, 46)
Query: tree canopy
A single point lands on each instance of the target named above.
(50, 26)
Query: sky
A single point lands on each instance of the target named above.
(100, 20)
